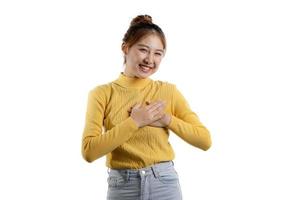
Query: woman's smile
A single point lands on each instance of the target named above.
(144, 68)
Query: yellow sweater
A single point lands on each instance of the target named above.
(110, 131)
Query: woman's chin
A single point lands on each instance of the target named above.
(142, 76)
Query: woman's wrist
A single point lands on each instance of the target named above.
(166, 119)
(136, 122)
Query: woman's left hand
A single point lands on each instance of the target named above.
(162, 122)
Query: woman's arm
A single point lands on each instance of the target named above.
(95, 142)
(186, 124)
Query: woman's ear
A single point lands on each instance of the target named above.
(124, 49)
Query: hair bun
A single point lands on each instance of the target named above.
(141, 19)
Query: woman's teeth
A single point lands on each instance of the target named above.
(144, 68)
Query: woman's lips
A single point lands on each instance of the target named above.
(144, 68)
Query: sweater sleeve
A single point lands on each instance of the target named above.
(185, 123)
(96, 142)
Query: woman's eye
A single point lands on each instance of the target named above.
(159, 54)
(143, 50)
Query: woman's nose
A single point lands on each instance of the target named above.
(149, 59)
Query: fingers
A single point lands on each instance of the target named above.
(155, 106)
(158, 113)
(158, 116)
(152, 108)
(149, 105)
(136, 105)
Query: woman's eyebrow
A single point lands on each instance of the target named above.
(143, 45)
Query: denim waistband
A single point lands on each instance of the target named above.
(154, 169)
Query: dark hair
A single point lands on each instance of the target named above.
(139, 27)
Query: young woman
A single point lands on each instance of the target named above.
(129, 119)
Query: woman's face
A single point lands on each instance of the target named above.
(144, 57)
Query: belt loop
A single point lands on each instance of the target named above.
(127, 175)
(108, 170)
(172, 162)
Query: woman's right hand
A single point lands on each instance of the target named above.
(144, 115)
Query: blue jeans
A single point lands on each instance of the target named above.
(156, 182)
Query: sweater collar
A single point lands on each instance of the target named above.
(132, 82)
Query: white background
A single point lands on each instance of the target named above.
(236, 62)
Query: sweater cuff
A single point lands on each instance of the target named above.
(131, 124)
(172, 122)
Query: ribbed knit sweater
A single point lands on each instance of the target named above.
(109, 130)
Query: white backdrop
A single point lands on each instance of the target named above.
(236, 62)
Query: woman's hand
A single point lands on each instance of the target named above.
(162, 122)
(146, 115)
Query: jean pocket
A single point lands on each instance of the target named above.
(168, 177)
(116, 181)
